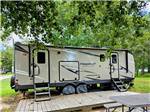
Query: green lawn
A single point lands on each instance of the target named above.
(141, 84)
(9, 73)
(5, 89)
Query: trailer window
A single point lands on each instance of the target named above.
(114, 58)
(41, 57)
(102, 57)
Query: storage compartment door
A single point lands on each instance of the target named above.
(69, 70)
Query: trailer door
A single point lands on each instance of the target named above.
(41, 66)
(114, 65)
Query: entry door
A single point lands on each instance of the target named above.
(114, 65)
(41, 66)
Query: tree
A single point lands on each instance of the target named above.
(115, 24)
(6, 59)
(61, 22)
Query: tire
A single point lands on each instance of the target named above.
(68, 89)
(12, 82)
(107, 86)
(23, 90)
(81, 88)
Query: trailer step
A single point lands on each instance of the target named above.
(40, 88)
(123, 90)
(119, 85)
(116, 79)
(38, 93)
(118, 82)
(42, 93)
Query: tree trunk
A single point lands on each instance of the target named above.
(148, 68)
(137, 72)
(142, 70)
(149, 60)
(149, 63)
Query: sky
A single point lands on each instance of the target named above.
(146, 10)
(148, 7)
(9, 41)
(1, 47)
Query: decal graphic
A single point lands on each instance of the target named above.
(92, 78)
(88, 63)
(20, 49)
(92, 75)
(21, 72)
(123, 68)
(89, 54)
(75, 71)
(71, 69)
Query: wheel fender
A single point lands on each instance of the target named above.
(81, 83)
(73, 84)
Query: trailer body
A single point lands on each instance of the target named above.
(61, 66)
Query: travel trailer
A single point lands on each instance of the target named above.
(72, 69)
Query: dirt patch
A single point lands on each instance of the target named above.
(3, 105)
(8, 104)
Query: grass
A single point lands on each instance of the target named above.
(145, 75)
(5, 89)
(141, 84)
(8, 97)
(9, 73)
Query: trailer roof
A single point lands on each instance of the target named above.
(75, 47)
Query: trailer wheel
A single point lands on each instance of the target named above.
(107, 86)
(81, 88)
(12, 82)
(68, 89)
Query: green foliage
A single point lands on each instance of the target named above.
(143, 75)
(114, 24)
(6, 59)
(6, 89)
(64, 23)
